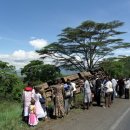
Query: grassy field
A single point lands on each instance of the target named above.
(10, 116)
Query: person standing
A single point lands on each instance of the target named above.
(127, 87)
(108, 92)
(98, 91)
(28, 94)
(114, 84)
(87, 94)
(74, 93)
(39, 110)
(121, 87)
(81, 84)
(43, 102)
(33, 120)
(59, 100)
(67, 97)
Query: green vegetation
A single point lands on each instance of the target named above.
(117, 67)
(89, 43)
(10, 84)
(79, 99)
(10, 116)
(36, 71)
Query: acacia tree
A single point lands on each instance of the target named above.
(81, 48)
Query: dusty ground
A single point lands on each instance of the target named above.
(97, 118)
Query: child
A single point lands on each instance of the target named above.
(33, 120)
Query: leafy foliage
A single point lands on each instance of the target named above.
(10, 84)
(81, 48)
(36, 71)
(117, 67)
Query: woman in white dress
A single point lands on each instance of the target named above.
(87, 94)
(39, 110)
(28, 93)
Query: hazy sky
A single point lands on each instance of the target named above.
(27, 25)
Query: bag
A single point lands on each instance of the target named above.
(67, 94)
(42, 100)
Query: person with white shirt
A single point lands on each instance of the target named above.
(28, 94)
(74, 93)
(108, 92)
(114, 84)
(87, 94)
(127, 87)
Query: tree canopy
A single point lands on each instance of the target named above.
(36, 71)
(116, 67)
(81, 48)
(10, 84)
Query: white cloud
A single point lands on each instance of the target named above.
(125, 52)
(4, 56)
(21, 54)
(38, 43)
(19, 58)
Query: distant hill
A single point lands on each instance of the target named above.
(19, 72)
(67, 72)
(63, 71)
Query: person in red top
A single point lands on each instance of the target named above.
(28, 94)
(28, 87)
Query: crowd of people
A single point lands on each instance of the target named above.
(64, 96)
(106, 88)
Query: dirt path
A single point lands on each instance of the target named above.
(97, 118)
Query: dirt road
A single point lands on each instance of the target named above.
(97, 118)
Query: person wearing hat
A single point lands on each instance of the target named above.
(28, 94)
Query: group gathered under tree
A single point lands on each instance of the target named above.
(101, 91)
(83, 48)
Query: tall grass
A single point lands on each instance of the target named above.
(79, 100)
(10, 116)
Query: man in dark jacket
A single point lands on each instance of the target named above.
(98, 91)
